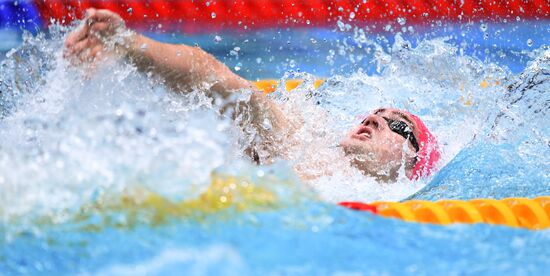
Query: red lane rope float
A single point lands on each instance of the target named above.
(533, 214)
(247, 14)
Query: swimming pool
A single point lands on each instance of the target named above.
(82, 153)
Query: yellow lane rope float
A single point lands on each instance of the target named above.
(533, 214)
(268, 86)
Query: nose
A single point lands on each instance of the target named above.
(373, 121)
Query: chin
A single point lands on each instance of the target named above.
(348, 146)
(353, 146)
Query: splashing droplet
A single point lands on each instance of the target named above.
(401, 20)
(292, 63)
(483, 27)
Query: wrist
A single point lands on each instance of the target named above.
(125, 41)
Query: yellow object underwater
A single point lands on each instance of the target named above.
(224, 193)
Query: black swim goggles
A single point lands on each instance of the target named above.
(404, 130)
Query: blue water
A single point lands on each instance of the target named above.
(347, 243)
(74, 147)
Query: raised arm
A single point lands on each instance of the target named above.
(183, 68)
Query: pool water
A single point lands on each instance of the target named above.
(104, 171)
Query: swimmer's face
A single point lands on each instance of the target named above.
(377, 145)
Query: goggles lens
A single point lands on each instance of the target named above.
(404, 130)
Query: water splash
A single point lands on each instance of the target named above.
(71, 136)
(449, 91)
(509, 156)
(74, 140)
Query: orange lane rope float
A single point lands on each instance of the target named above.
(533, 214)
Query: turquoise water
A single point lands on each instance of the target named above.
(80, 146)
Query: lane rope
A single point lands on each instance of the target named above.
(528, 213)
(253, 14)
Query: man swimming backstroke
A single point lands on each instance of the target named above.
(385, 142)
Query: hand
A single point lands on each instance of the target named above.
(96, 36)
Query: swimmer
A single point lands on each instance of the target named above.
(384, 142)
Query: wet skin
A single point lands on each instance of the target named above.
(372, 146)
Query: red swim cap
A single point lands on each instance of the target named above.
(428, 153)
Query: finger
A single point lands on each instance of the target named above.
(83, 34)
(81, 46)
(94, 41)
(90, 54)
(100, 27)
(95, 53)
(82, 31)
(77, 35)
(90, 13)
